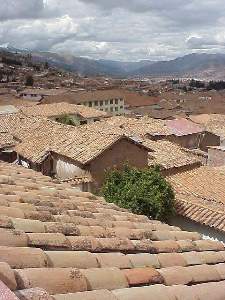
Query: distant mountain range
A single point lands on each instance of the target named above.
(202, 66)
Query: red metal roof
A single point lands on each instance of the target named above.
(183, 126)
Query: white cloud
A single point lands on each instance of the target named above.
(125, 29)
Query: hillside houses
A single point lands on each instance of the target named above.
(77, 154)
(189, 135)
(109, 101)
(78, 114)
(83, 153)
(214, 123)
(36, 94)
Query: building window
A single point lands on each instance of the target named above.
(101, 103)
(116, 108)
(106, 102)
(111, 101)
(96, 103)
(121, 107)
(116, 101)
(90, 104)
(121, 99)
(111, 109)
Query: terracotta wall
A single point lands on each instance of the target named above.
(196, 140)
(216, 158)
(121, 152)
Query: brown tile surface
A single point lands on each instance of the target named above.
(200, 195)
(57, 241)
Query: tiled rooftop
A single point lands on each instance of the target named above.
(201, 196)
(213, 123)
(60, 244)
(169, 155)
(84, 96)
(6, 140)
(181, 127)
(63, 108)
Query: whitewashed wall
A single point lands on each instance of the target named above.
(206, 231)
(32, 98)
(64, 169)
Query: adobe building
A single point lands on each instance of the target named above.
(190, 135)
(88, 160)
(216, 156)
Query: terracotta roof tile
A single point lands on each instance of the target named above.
(182, 293)
(5, 292)
(142, 260)
(13, 238)
(171, 259)
(23, 257)
(59, 109)
(144, 293)
(33, 294)
(7, 276)
(53, 280)
(66, 249)
(74, 259)
(92, 295)
(204, 273)
(143, 276)
(118, 260)
(48, 240)
(214, 290)
(200, 196)
(105, 278)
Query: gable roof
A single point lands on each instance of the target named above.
(85, 96)
(169, 155)
(92, 249)
(59, 109)
(200, 195)
(78, 146)
(214, 123)
(180, 127)
(6, 140)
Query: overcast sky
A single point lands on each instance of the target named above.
(115, 29)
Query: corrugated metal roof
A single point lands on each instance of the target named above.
(183, 126)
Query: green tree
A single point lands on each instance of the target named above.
(29, 80)
(67, 120)
(141, 191)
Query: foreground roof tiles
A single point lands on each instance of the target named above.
(57, 243)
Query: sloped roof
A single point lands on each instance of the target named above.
(214, 123)
(57, 241)
(63, 108)
(169, 155)
(6, 140)
(84, 96)
(77, 145)
(44, 92)
(183, 126)
(200, 195)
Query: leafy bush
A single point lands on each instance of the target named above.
(66, 120)
(29, 80)
(141, 191)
